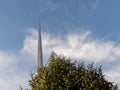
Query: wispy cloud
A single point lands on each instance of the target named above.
(78, 8)
(94, 6)
(70, 7)
(83, 45)
(46, 5)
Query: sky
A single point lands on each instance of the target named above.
(84, 30)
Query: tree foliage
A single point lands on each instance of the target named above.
(62, 74)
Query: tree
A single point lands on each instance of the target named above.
(62, 74)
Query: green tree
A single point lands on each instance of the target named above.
(62, 74)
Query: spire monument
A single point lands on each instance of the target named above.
(39, 56)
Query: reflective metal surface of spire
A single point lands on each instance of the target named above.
(39, 57)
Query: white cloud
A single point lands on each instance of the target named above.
(6, 58)
(30, 43)
(8, 63)
(81, 46)
(10, 82)
(113, 75)
(10, 76)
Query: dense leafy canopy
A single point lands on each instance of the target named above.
(63, 74)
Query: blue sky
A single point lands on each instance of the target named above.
(89, 28)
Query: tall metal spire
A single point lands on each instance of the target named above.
(39, 57)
